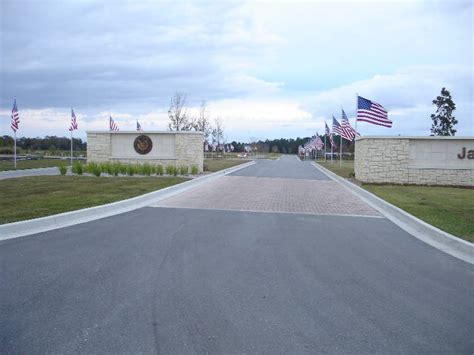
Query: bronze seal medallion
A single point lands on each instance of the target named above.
(142, 144)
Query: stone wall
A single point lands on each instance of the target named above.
(169, 148)
(414, 160)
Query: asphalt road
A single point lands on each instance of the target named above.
(8, 174)
(177, 280)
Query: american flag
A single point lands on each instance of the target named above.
(336, 127)
(349, 133)
(74, 125)
(112, 125)
(372, 112)
(328, 132)
(319, 144)
(139, 127)
(15, 117)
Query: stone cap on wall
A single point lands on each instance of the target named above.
(147, 132)
(418, 137)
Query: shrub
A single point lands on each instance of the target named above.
(145, 169)
(116, 168)
(96, 170)
(194, 170)
(152, 169)
(77, 168)
(170, 169)
(183, 170)
(106, 168)
(123, 169)
(63, 169)
(90, 167)
(130, 170)
(175, 171)
(159, 170)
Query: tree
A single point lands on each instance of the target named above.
(178, 114)
(218, 132)
(443, 120)
(202, 124)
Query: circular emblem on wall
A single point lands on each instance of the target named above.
(143, 144)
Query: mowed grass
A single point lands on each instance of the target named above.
(221, 164)
(32, 164)
(448, 208)
(344, 169)
(38, 196)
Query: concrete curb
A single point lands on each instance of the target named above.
(416, 227)
(43, 224)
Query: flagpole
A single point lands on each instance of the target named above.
(357, 107)
(325, 158)
(340, 154)
(14, 148)
(71, 147)
(332, 148)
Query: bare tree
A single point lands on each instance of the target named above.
(178, 114)
(218, 132)
(202, 123)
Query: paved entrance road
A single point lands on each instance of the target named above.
(178, 280)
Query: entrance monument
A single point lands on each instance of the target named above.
(153, 147)
(415, 160)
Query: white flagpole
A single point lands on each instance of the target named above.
(71, 147)
(325, 158)
(340, 154)
(357, 107)
(14, 148)
(332, 148)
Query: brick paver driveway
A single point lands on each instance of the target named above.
(286, 185)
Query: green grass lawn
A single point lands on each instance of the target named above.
(31, 164)
(448, 208)
(345, 169)
(221, 164)
(38, 196)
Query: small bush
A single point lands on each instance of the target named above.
(145, 169)
(194, 170)
(130, 170)
(170, 169)
(159, 170)
(106, 168)
(96, 170)
(90, 167)
(63, 169)
(175, 171)
(116, 168)
(152, 169)
(77, 168)
(123, 169)
(183, 170)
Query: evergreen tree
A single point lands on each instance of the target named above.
(443, 119)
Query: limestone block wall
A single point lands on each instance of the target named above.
(414, 160)
(169, 148)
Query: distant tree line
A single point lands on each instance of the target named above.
(48, 143)
(288, 146)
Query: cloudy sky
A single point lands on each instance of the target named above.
(269, 69)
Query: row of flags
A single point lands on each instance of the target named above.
(227, 148)
(367, 111)
(15, 123)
